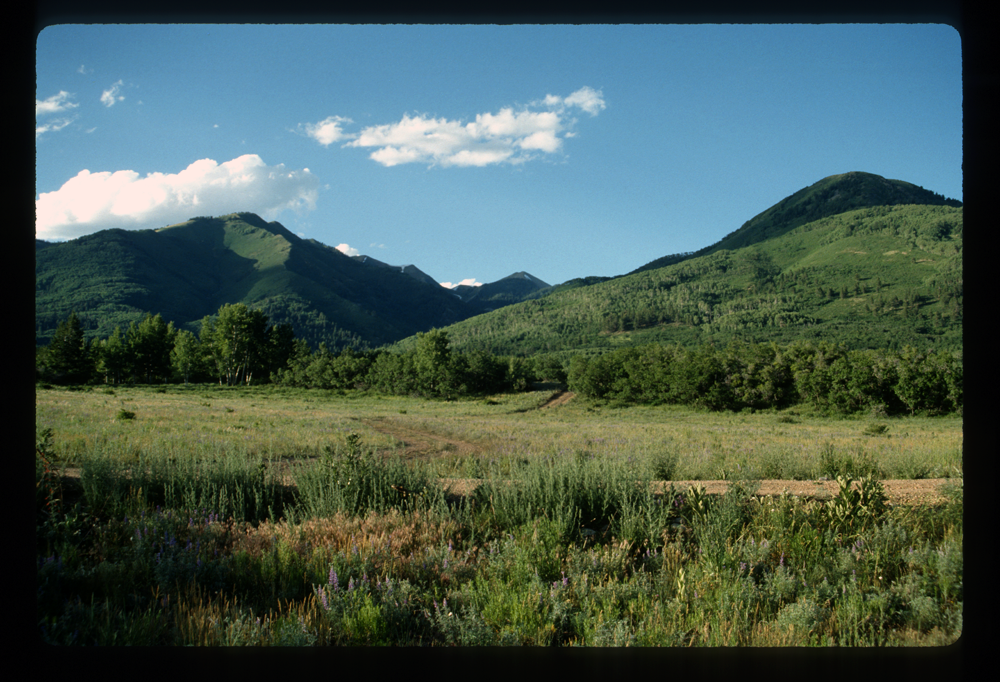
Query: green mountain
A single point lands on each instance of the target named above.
(854, 258)
(830, 196)
(511, 289)
(187, 271)
(411, 270)
(847, 259)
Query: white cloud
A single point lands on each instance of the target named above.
(507, 136)
(348, 250)
(470, 282)
(588, 99)
(55, 104)
(96, 201)
(84, 70)
(57, 124)
(326, 131)
(110, 96)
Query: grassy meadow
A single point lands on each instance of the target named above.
(179, 530)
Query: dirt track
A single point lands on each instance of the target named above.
(898, 492)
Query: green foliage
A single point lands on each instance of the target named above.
(902, 285)
(354, 479)
(765, 376)
(855, 509)
(67, 359)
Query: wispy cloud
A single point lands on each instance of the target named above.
(84, 70)
(110, 96)
(56, 104)
(95, 201)
(57, 124)
(508, 136)
(348, 250)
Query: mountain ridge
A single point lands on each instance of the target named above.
(831, 195)
(186, 271)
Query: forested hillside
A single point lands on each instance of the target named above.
(878, 277)
(187, 271)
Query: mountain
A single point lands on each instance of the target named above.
(187, 271)
(853, 259)
(503, 292)
(830, 196)
(411, 270)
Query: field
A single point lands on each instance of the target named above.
(261, 516)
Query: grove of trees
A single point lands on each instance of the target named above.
(238, 346)
(761, 376)
(235, 346)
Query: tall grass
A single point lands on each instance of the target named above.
(564, 542)
(117, 480)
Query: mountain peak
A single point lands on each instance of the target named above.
(832, 195)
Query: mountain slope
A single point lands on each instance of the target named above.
(511, 289)
(880, 276)
(411, 270)
(187, 271)
(830, 196)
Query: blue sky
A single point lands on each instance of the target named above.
(474, 152)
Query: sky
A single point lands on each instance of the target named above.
(477, 151)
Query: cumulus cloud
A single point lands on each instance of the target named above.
(588, 99)
(327, 131)
(110, 96)
(507, 136)
(348, 250)
(96, 201)
(470, 282)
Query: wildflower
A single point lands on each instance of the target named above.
(350, 585)
(781, 562)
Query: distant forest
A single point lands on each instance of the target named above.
(238, 346)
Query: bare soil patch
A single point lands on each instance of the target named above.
(898, 492)
(421, 444)
(558, 399)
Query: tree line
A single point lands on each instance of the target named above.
(743, 376)
(238, 346)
